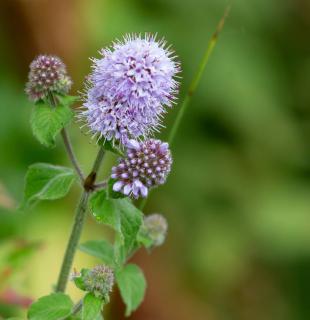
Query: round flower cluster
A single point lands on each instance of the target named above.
(155, 228)
(147, 164)
(129, 88)
(99, 281)
(47, 74)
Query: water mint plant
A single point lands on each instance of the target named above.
(127, 94)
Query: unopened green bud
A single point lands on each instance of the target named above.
(155, 228)
(98, 281)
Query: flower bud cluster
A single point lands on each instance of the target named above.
(47, 74)
(146, 165)
(99, 280)
(155, 228)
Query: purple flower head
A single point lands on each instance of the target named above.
(147, 164)
(47, 73)
(129, 88)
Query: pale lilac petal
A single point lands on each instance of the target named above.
(144, 191)
(163, 148)
(133, 144)
(117, 186)
(127, 189)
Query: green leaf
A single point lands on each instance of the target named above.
(132, 285)
(46, 182)
(144, 240)
(131, 221)
(104, 210)
(91, 307)
(121, 215)
(79, 280)
(108, 145)
(55, 306)
(66, 100)
(100, 249)
(47, 122)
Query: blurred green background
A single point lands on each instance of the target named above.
(238, 198)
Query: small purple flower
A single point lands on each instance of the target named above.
(147, 164)
(47, 74)
(129, 88)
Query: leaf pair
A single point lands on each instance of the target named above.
(59, 306)
(126, 220)
(130, 278)
(122, 216)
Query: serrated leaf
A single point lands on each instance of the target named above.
(131, 221)
(104, 210)
(100, 249)
(47, 122)
(55, 306)
(121, 215)
(132, 285)
(91, 307)
(46, 182)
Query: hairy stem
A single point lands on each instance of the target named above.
(67, 142)
(98, 160)
(73, 242)
(100, 185)
(78, 225)
(71, 154)
(197, 77)
(77, 307)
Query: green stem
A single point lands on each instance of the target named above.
(67, 142)
(73, 242)
(193, 85)
(78, 225)
(71, 154)
(98, 160)
(77, 307)
(197, 77)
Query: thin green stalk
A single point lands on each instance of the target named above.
(193, 85)
(197, 77)
(77, 308)
(67, 142)
(78, 225)
(98, 160)
(73, 242)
